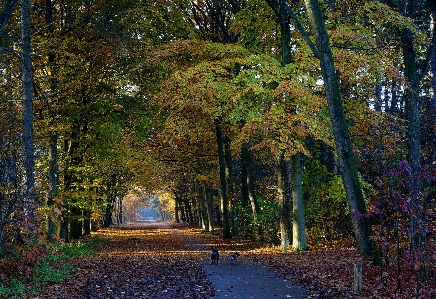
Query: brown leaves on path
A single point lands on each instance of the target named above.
(160, 260)
(150, 261)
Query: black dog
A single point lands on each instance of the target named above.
(233, 258)
(215, 256)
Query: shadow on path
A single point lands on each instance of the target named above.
(247, 280)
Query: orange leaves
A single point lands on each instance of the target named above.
(138, 262)
(160, 260)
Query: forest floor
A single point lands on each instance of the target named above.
(164, 260)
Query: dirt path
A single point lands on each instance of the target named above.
(158, 260)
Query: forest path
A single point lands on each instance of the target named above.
(160, 260)
(243, 280)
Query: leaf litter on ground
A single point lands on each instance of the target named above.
(161, 260)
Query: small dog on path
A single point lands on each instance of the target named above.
(233, 258)
(215, 256)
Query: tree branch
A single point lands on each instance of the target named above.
(430, 51)
(6, 12)
(275, 5)
(303, 32)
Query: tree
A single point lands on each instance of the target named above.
(344, 150)
(28, 143)
(299, 230)
(433, 59)
(414, 71)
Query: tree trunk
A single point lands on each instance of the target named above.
(229, 184)
(28, 143)
(181, 208)
(202, 207)
(76, 224)
(63, 231)
(209, 207)
(199, 191)
(51, 225)
(107, 218)
(298, 222)
(284, 202)
(347, 164)
(412, 111)
(248, 187)
(433, 64)
(394, 109)
(87, 223)
(177, 209)
(188, 209)
(378, 96)
(222, 169)
(52, 175)
(245, 200)
(414, 77)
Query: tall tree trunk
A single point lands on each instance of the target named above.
(87, 222)
(394, 109)
(51, 224)
(414, 76)
(433, 63)
(120, 209)
(299, 241)
(202, 212)
(76, 223)
(298, 223)
(412, 111)
(378, 96)
(177, 209)
(248, 188)
(347, 164)
(188, 210)
(199, 195)
(63, 231)
(28, 142)
(209, 207)
(107, 217)
(181, 207)
(222, 169)
(229, 184)
(245, 200)
(284, 202)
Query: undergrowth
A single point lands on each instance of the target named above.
(27, 269)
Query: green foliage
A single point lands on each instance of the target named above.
(14, 291)
(327, 214)
(47, 273)
(30, 268)
(254, 25)
(268, 220)
(73, 250)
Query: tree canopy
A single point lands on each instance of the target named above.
(189, 108)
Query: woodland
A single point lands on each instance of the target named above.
(305, 124)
